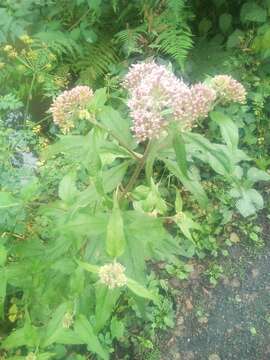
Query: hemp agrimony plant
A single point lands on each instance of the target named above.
(87, 261)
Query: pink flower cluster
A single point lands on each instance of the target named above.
(157, 96)
(68, 105)
(228, 89)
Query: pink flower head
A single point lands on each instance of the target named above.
(68, 105)
(157, 96)
(203, 98)
(228, 89)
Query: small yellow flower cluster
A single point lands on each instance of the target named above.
(67, 320)
(10, 51)
(26, 39)
(31, 356)
(113, 275)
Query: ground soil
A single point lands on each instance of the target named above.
(231, 320)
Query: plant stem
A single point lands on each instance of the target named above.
(137, 171)
(29, 96)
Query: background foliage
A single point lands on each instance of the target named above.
(58, 193)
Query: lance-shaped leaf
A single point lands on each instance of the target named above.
(229, 130)
(115, 241)
(85, 332)
(140, 290)
(180, 153)
(105, 302)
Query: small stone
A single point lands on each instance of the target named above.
(255, 273)
(189, 305)
(214, 357)
(203, 320)
(234, 238)
(235, 283)
(180, 320)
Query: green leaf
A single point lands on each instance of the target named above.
(7, 201)
(191, 185)
(85, 332)
(250, 202)
(140, 290)
(115, 241)
(105, 302)
(117, 328)
(118, 126)
(55, 326)
(180, 153)
(252, 12)
(229, 130)
(89, 267)
(225, 22)
(67, 189)
(255, 175)
(234, 39)
(178, 202)
(3, 255)
(3, 286)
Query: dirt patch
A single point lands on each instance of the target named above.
(229, 321)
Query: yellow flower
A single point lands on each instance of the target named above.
(26, 39)
(8, 48)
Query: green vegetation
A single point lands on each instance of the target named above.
(115, 178)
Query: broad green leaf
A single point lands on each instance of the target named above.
(28, 335)
(250, 202)
(119, 127)
(7, 201)
(255, 175)
(115, 241)
(180, 153)
(225, 22)
(229, 130)
(252, 12)
(140, 290)
(105, 302)
(234, 39)
(55, 326)
(117, 328)
(191, 185)
(85, 332)
(67, 189)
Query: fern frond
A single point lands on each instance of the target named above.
(96, 61)
(175, 43)
(129, 39)
(59, 42)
